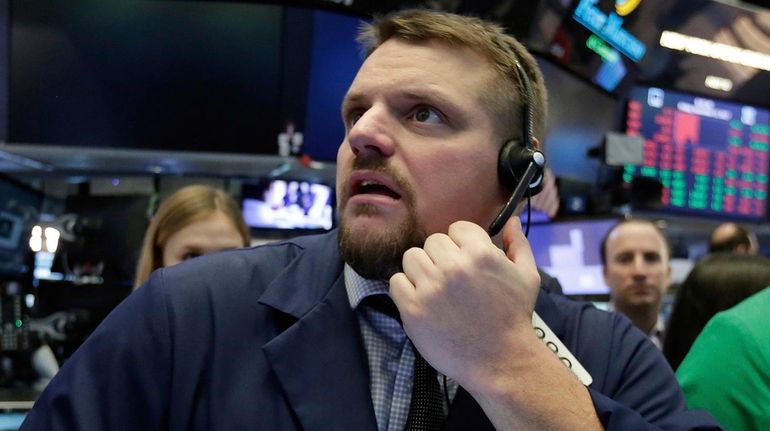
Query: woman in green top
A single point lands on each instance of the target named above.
(727, 371)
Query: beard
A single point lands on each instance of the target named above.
(377, 254)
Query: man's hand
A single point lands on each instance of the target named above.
(467, 307)
(465, 303)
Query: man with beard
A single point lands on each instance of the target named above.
(635, 255)
(303, 334)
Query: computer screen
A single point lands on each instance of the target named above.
(570, 252)
(712, 157)
(285, 204)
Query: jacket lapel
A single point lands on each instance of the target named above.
(319, 360)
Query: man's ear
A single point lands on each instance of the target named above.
(668, 279)
(536, 144)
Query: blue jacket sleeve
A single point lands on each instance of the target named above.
(634, 387)
(119, 377)
(615, 416)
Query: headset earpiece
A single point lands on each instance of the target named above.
(513, 161)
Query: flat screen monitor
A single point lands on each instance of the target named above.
(569, 251)
(218, 76)
(285, 204)
(606, 41)
(712, 157)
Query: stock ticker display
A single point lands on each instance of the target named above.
(712, 157)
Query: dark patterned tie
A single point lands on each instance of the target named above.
(426, 410)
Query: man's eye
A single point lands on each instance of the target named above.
(624, 258)
(425, 114)
(652, 257)
(353, 118)
(190, 255)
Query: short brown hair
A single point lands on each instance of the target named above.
(185, 206)
(503, 51)
(603, 246)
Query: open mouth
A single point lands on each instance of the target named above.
(370, 187)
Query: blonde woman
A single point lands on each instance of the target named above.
(194, 221)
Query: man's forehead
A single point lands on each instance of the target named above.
(398, 49)
(636, 235)
(426, 71)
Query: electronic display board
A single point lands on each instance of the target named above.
(712, 157)
(607, 41)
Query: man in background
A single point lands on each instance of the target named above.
(733, 238)
(635, 255)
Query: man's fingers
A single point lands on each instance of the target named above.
(466, 234)
(401, 290)
(515, 243)
(418, 266)
(441, 249)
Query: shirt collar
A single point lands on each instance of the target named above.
(359, 287)
(657, 332)
(656, 335)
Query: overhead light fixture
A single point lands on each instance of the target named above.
(718, 83)
(715, 50)
(44, 239)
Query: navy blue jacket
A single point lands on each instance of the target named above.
(265, 339)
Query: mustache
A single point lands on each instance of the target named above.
(380, 165)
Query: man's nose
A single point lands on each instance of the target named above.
(373, 133)
(639, 267)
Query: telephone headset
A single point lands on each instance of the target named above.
(519, 164)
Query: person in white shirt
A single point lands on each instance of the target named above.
(636, 266)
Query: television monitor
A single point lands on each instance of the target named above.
(711, 157)
(569, 251)
(288, 205)
(217, 76)
(607, 41)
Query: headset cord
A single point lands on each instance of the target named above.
(529, 211)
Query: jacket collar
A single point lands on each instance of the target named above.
(319, 360)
